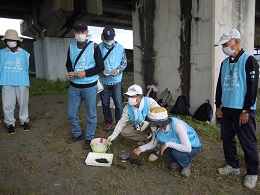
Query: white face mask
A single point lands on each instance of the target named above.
(228, 51)
(11, 44)
(166, 131)
(154, 129)
(108, 42)
(132, 101)
(80, 37)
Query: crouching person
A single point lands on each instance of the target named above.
(178, 141)
(132, 124)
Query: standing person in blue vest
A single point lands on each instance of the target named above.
(235, 106)
(132, 124)
(178, 141)
(14, 79)
(83, 84)
(115, 62)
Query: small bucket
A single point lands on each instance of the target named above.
(96, 146)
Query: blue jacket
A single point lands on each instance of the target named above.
(140, 114)
(14, 68)
(112, 62)
(233, 80)
(172, 136)
(85, 62)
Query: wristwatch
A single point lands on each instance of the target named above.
(244, 111)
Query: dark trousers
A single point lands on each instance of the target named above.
(247, 138)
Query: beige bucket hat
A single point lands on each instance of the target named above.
(158, 116)
(11, 34)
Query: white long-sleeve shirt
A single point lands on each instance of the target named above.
(181, 130)
(125, 117)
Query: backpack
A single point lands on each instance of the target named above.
(152, 91)
(181, 106)
(165, 98)
(204, 112)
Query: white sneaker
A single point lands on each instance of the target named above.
(228, 170)
(250, 181)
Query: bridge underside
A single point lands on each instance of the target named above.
(53, 18)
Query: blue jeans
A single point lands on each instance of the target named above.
(183, 158)
(117, 98)
(75, 97)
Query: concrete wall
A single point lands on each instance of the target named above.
(162, 62)
(237, 14)
(50, 58)
(167, 45)
(202, 78)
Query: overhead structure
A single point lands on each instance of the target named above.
(54, 18)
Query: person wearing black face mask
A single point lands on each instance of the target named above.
(236, 95)
(14, 79)
(178, 141)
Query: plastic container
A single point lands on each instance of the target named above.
(96, 146)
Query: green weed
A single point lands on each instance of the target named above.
(41, 86)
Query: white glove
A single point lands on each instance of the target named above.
(110, 139)
(145, 125)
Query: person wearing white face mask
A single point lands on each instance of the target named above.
(132, 124)
(14, 79)
(178, 141)
(236, 95)
(115, 62)
(84, 63)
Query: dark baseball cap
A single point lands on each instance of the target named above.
(80, 25)
(108, 33)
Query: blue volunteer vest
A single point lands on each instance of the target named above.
(172, 136)
(112, 62)
(234, 86)
(85, 62)
(14, 68)
(141, 114)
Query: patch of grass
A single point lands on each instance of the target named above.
(128, 74)
(41, 86)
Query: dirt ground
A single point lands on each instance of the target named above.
(41, 162)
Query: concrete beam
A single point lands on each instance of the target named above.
(52, 12)
(94, 7)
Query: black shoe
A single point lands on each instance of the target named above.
(75, 139)
(10, 129)
(86, 145)
(25, 126)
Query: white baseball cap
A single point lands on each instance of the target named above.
(134, 90)
(232, 34)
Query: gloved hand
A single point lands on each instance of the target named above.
(110, 139)
(145, 125)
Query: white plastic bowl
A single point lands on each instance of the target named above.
(99, 147)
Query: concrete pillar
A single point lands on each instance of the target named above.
(173, 43)
(50, 58)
